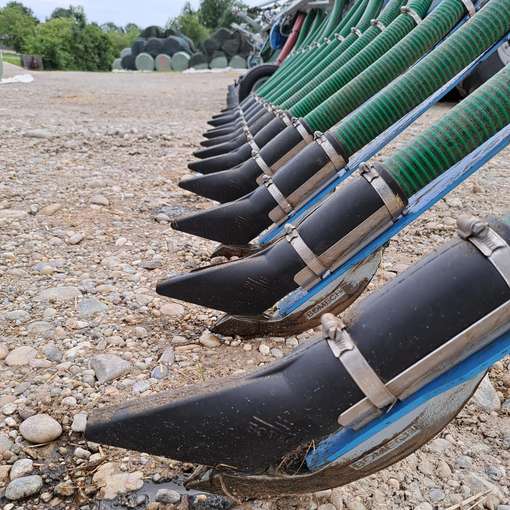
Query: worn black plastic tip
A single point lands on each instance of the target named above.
(226, 119)
(221, 162)
(219, 149)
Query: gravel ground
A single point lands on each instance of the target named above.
(89, 165)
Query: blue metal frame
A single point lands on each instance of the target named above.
(418, 204)
(345, 440)
(377, 144)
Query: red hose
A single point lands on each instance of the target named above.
(291, 41)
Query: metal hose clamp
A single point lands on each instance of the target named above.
(470, 7)
(346, 351)
(488, 242)
(378, 24)
(261, 163)
(305, 253)
(391, 200)
(356, 31)
(300, 128)
(335, 158)
(412, 13)
(277, 195)
(339, 37)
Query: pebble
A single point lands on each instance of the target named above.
(59, 294)
(5, 444)
(91, 306)
(424, 506)
(486, 397)
(12, 215)
(20, 468)
(81, 453)
(327, 506)
(65, 489)
(264, 349)
(79, 422)
(113, 481)
(277, 353)
(168, 496)
(41, 329)
(100, 200)
(109, 367)
(52, 352)
(4, 351)
(337, 499)
(50, 209)
(173, 310)
(355, 504)
(40, 429)
(20, 356)
(75, 238)
(141, 386)
(23, 487)
(436, 495)
(9, 409)
(41, 134)
(207, 339)
(19, 316)
(160, 372)
(439, 445)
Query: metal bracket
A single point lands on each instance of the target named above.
(470, 7)
(305, 135)
(410, 12)
(252, 144)
(356, 31)
(303, 250)
(391, 200)
(378, 24)
(261, 163)
(344, 348)
(277, 195)
(335, 158)
(490, 244)
(339, 37)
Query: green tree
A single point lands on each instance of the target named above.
(188, 23)
(73, 12)
(53, 40)
(218, 13)
(123, 38)
(17, 22)
(92, 49)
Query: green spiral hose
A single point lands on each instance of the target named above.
(334, 17)
(447, 60)
(335, 50)
(357, 53)
(314, 57)
(351, 92)
(337, 58)
(457, 134)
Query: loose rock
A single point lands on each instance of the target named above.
(40, 429)
(23, 487)
(108, 367)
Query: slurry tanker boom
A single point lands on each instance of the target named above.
(309, 207)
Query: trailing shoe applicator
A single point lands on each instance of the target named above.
(373, 389)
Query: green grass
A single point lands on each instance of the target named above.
(11, 58)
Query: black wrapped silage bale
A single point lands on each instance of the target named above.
(153, 31)
(154, 47)
(128, 63)
(137, 47)
(198, 59)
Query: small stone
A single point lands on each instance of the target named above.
(443, 470)
(5, 444)
(496, 473)
(59, 294)
(486, 397)
(327, 506)
(42, 329)
(81, 453)
(151, 265)
(141, 332)
(21, 356)
(40, 429)
(173, 310)
(121, 241)
(168, 357)
(75, 238)
(50, 210)
(23, 487)
(162, 218)
(424, 506)
(100, 200)
(160, 372)
(108, 367)
(426, 467)
(9, 409)
(141, 386)
(436, 495)
(464, 462)
(91, 306)
(19, 316)
(65, 489)
(264, 349)
(4, 351)
(337, 499)
(69, 401)
(113, 482)
(277, 353)
(4, 474)
(439, 445)
(52, 353)
(355, 504)
(207, 339)
(79, 422)
(168, 496)
(21, 467)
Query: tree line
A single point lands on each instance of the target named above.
(68, 41)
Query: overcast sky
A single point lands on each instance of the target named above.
(142, 12)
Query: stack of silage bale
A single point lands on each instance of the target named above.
(160, 50)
